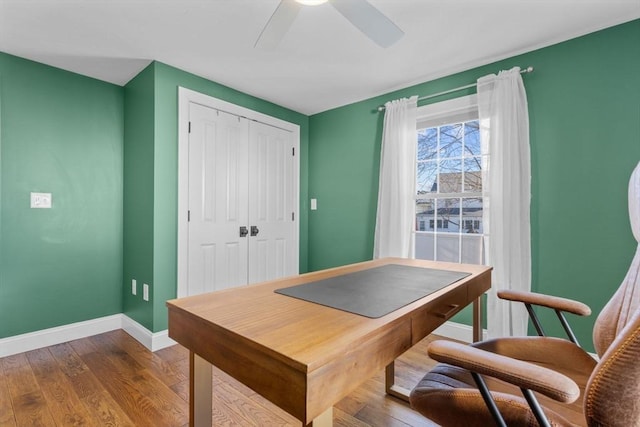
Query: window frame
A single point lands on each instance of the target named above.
(437, 114)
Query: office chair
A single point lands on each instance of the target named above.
(540, 380)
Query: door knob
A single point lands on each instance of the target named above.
(254, 230)
(244, 231)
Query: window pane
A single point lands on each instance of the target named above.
(448, 247)
(427, 143)
(424, 214)
(426, 179)
(451, 141)
(447, 215)
(425, 246)
(450, 177)
(471, 251)
(472, 175)
(472, 215)
(471, 139)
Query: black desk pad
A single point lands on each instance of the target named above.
(374, 292)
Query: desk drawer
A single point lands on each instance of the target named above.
(437, 312)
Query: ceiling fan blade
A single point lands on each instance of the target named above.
(369, 20)
(278, 24)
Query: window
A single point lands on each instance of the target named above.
(449, 182)
(471, 225)
(442, 223)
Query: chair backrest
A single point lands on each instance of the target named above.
(619, 310)
(612, 396)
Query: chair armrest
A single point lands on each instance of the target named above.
(522, 374)
(556, 303)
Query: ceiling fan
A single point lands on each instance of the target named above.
(360, 13)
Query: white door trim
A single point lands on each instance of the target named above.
(185, 97)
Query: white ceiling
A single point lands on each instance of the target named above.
(323, 61)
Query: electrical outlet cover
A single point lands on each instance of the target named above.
(41, 200)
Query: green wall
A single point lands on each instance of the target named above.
(158, 140)
(138, 210)
(62, 134)
(584, 107)
(109, 156)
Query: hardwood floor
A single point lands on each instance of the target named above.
(112, 380)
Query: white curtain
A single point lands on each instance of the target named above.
(396, 189)
(504, 131)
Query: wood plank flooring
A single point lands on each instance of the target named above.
(112, 380)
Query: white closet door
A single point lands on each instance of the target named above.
(218, 197)
(272, 251)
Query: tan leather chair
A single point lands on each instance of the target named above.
(528, 381)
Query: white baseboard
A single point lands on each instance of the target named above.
(60, 334)
(153, 341)
(458, 331)
(52, 336)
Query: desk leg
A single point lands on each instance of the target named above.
(389, 384)
(200, 401)
(477, 319)
(323, 420)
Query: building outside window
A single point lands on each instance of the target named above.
(441, 223)
(449, 183)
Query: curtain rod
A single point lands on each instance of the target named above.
(529, 69)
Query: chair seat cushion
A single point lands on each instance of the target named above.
(448, 394)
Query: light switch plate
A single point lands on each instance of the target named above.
(145, 292)
(41, 200)
(314, 204)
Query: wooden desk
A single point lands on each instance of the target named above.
(302, 356)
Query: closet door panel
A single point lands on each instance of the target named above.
(271, 199)
(218, 196)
